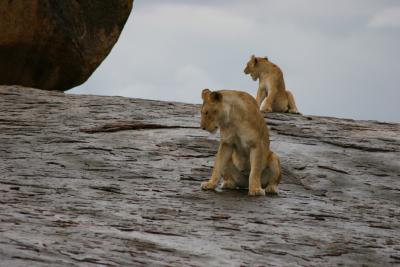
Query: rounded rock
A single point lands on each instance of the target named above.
(57, 45)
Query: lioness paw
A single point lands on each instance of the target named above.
(267, 109)
(272, 189)
(257, 192)
(208, 186)
(229, 184)
(294, 111)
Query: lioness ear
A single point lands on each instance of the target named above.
(205, 93)
(216, 96)
(266, 57)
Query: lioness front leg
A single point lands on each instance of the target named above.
(256, 160)
(267, 105)
(223, 156)
(261, 94)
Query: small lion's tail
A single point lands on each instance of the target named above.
(275, 173)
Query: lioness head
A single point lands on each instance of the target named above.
(211, 110)
(252, 67)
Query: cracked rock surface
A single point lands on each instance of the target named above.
(112, 181)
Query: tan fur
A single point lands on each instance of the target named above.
(272, 95)
(244, 159)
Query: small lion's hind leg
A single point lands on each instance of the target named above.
(273, 174)
(228, 183)
(233, 178)
(292, 108)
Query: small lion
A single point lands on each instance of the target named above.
(271, 86)
(244, 158)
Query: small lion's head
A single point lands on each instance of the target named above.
(253, 67)
(211, 110)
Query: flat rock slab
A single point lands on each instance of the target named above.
(112, 181)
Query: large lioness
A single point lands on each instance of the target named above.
(271, 86)
(244, 159)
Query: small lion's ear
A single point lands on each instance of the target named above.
(266, 57)
(205, 93)
(216, 96)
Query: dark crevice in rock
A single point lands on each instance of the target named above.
(125, 126)
(360, 147)
(332, 169)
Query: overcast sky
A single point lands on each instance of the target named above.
(339, 57)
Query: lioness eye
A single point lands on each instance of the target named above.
(206, 113)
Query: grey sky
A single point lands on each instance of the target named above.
(339, 57)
